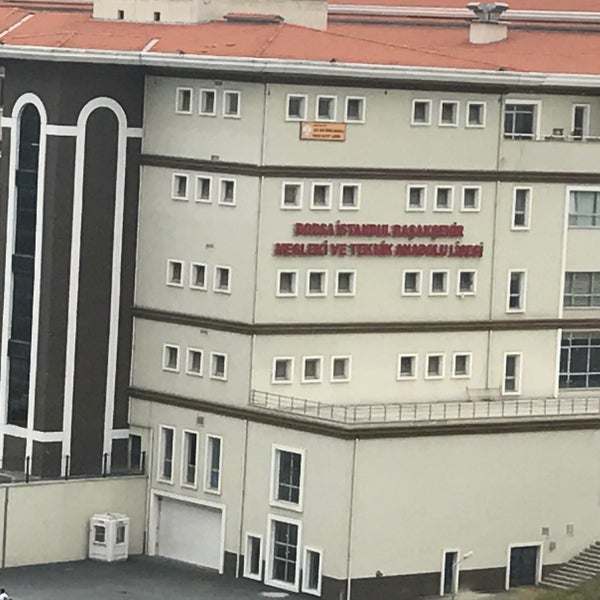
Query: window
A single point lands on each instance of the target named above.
(520, 120)
(443, 199)
(461, 365)
(312, 369)
(231, 104)
(466, 283)
(448, 113)
(198, 276)
(438, 283)
(296, 107)
(584, 208)
(349, 196)
(355, 110)
(580, 360)
(512, 374)
(203, 186)
(287, 477)
(165, 465)
(421, 112)
(183, 101)
(471, 199)
(415, 198)
(222, 283)
(326, 108)
(321, 196)
(283, 370)
(175, 273)
(516, 291)
(180, 187)
(189, 459)
(120, 15)
(227, 191)
(212, 481)
(284, 547)
(407, 366)
(521, 208)
(170, 357)
(311, 573)
(253, 557)
(345, 283)
(581, 121)
(434, 366)
(208, 103)
(411, 283)
(476, 114)
(156, 16)
(316, 283)
(218, 366)
(287, 284)
(194, 362)
(291, 195)
(582, 289)
(340, 368)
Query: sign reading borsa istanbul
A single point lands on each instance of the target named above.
(434, 240)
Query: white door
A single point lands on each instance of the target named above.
(189, 532)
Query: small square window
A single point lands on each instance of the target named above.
(316, 283)
(283, 370)
(291, 196)
(222, 282)
(434, 366)
(471, 197)
(443, 199)
(321, 196)
(183, 101)
(415, 198)
(407, 366)
(296, 107)
(208, 103)
(355, 110)
(340, 368)
(231, 104)
(448, 113)
(120, 15)
(349, 196)
(171, 358)
(156, 17)
(345, 282)
(218, 366)
(227, 191)
(312, 369)
(421, 112)
(466, 283)
(476, 114)
(461, 365)
(203, 186)
(180, 187)
(439, 283)
(411, 283)
(194, 362)
(198, 276)
(326, 108)
(175, 273)
(287, 283)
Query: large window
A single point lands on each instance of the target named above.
(580, 360)
(284, 550)
(287, 478)
(582, 289)
(520, 120)
(584, 208)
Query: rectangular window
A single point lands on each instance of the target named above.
(411, 283)
(321, 196)
(311, 573)
(355, 110)
(180, 187)
(434, 366)
(171, 358)
(175, 273)
(183, 101)
(407, 366)
(349, 196)
(189, 460)
(194, 362)
(167, 443)
(340, 368)
(521, 208)
(448, 113)
(287, 477)
(421, 112)
(227, 191)
(580, 360)
(212, 481)
(581, 121)
(296, 107)
(520, 120)
(438, 283)
(203, 186)
(443, 199)
(584, 208)
(326, 108)
(291, 195)
(461, 365)
(231, 104)
(475, 114)
(198, 276)
(287, 284)
(253, 557)
(284, 549)
(467, 281)
(471, 197)
(312, 369)
(582, 289)
(516, 291)
(208, 103)
(345, 283)
(283, 369)
(415, 198)
(316, 283)
(218, 366)
(222, 283)
(512, 374)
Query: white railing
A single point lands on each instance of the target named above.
(427, 411)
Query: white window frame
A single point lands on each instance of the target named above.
(446, 273)
(423, 206)
(197, 197)
(466, 375)
(294, 293)
(216, 288)
(238, 114)
(320, 361)
(586, 123)
(222, 182)
(456, 104)
(538, 566)
(348, 359)
(212, 375)
(300, 186)
(523, 295)
(440, 355)
(271, 519)
(302, 117)
(290, 379)
(305, 589)
(316, 294)
(415, 363)
(183, 471)
(169, 281)
(517, 390)
(595, 216)
(161, 454)
(273, 501)
(316, 184)
(207, 464)
(342, 294)
(164, 358)
(537, 117)
(461, 293)
(256, 576)
(527, 225)
(363, 101)
(419, 274)
(356, 186)
(193, 286)
(201, 93)
(174, 194)
(463, 208)
(470, 125)
(178, 91)
(188, 361)
(450, 206)
(429, 111)
(326, 97)
(455, 568)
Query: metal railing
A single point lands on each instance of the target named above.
(418, 412)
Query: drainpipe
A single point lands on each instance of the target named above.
(351, 522)
(242, 501)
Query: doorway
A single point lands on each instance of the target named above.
(449, 583)
(523, 566)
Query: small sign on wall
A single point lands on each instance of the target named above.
(324, 132)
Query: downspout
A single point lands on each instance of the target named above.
(351, 523)
(238, 559)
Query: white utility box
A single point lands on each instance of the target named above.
(109, 537)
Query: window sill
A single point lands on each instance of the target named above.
(286, 505)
